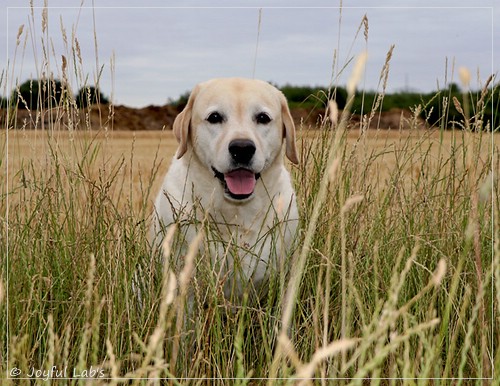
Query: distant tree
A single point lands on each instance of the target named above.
(180, 102)
(340, 96)
(454, 89)
(34, 94)
(90, 95)
(493, 109)
(297, 96)
(3, 102)
(310, 97)
(301, 96)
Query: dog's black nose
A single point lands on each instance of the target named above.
(242, 151)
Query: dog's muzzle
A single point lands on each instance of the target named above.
(238, 184)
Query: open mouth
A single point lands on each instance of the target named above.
(238, 184)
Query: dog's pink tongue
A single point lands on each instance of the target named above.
(240, 181)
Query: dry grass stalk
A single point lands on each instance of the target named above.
(2, 291)
(298, 266)
(365, 24)
(306, 371)
(184, 281)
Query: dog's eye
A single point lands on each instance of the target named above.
(215, 118)
(262, 118)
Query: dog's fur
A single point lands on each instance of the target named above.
(232, 135)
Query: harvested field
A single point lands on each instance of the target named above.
(140, 153)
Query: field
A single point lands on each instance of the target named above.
(396, 283)
(140, 154)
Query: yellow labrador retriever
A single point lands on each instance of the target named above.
(229, 168)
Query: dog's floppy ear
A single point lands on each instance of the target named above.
(288, 131)
(182, 123)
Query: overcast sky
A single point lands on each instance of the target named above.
(163, 48)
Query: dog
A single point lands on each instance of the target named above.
(229, 171)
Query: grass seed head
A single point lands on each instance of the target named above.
(439, 272)
(465, 77)
(333, 109)
(357, 73)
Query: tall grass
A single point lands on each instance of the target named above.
(396, 276)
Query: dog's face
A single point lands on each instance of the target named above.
(236, 127)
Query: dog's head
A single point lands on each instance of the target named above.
(236, 127)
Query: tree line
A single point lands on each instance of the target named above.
(443, 108)
(438, 108)
(34, 94)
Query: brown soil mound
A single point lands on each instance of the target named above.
(394, 119)
(162, 118)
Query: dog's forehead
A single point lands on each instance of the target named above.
(239, 94)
